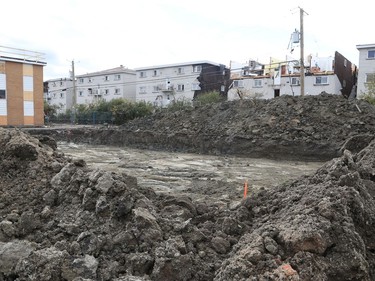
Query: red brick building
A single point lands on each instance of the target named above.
(21, 87)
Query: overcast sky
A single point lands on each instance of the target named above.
(99, 35)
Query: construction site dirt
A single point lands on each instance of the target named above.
(163, 197)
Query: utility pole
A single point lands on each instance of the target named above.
(74, 100)
(302, 63)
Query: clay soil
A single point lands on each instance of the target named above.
(62, 219)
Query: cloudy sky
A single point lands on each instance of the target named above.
(99, 35)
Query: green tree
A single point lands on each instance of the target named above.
(369, 96)
(209, 97)
(50, 109)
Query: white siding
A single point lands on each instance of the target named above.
(28, 84)
(3, 84)
(3, 107)
(28, 108)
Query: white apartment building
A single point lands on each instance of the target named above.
(59, 92)
(333, 75)
(165, 83)
(366, 67)
(106, 85)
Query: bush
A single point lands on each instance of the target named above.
(209, 97)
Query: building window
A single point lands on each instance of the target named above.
(238, 84)
(180, 70)
(89, 91)
(117, 77)
(117, 91)
(61, 95)
(155, 72)
(142, 90)
(195, 87)
(106, 91)
(2, 94)
(180, 87)
(345, 62)
(142, 74)
(294, 81)
(257, 83)
(321, 80)
(61, 83)
(370, 78)
(54, 84)
(90, 80)
(197, 68)
(106, 78)
(80, 93)
(80, 80)
(155, 89)
(371, 54)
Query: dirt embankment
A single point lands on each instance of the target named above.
(310, 127)
(60, 220)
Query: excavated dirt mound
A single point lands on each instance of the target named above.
(60, 220)
(309, 127)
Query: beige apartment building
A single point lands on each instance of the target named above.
(21, 87)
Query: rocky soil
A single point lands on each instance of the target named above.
(60, 220)
(309, 127)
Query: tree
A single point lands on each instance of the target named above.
(369, 96)
(50, 110)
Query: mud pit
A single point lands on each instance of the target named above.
(201, 177)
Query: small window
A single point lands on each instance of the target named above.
(257, 83)
(117, 91)
(155, 73)
(90, 80)
(2, 94)
(117, 77)
(142, 74)
(89, 91)
(106, 78)
(294, 81)
(238, 84)
(197, 68)
(180, 87)
(80, 93)
(106, 91)
(345, 62)
(61, 95)
(61, 83)
(54, 84)
(155, 89)
(80, 80)
(321, 80)
(142, 89)
(371, 54)
(180, 70)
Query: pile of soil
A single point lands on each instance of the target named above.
(287, 127)
(60, 220)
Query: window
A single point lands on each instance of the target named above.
(142, 74)
(321, 80)
(90, 80)
(180, 87)
(2, 94)
(28, 83)
(117, 91)
(142, 89)
(257, 83)
(61, 95)
(106, 78)
(195, 87)
(80, 93)
(61, 83)
(90, 91)
(294, 81)
(370, 77)
(180, 70)
(197, 68)
(80, 81)
(371, 54)
(238, 84)
(54, 84)
(117, 77)
(155, 73)
(155, 89)
(345, 62)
